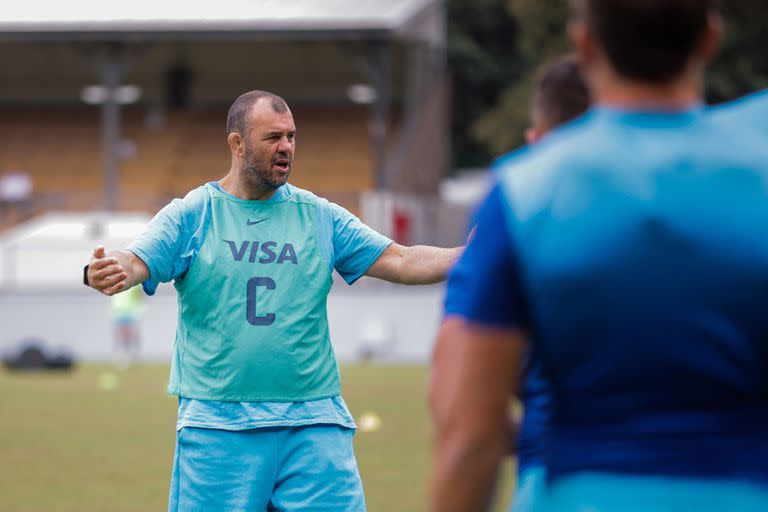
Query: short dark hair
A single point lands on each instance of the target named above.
(559, 94)
(647, 40)
(237, 118)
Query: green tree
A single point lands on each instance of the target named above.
(742, 64)
(483, 57)
(740, 67)
(541, 36)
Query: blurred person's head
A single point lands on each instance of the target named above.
(261, 136)
(559, 95)
(641, 46)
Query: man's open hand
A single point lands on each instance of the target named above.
(105, 274)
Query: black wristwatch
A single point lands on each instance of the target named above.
(85, 276)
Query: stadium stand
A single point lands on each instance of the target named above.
(60, 150)
(187, 70)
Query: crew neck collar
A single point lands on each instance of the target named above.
(649, 113)
(279, 196)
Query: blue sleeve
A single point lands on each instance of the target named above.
(485, 285)
(171, 240)
(350, 246)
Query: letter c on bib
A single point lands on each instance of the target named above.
(250, 303)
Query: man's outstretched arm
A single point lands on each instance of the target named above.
(115, 272)
(418, 264)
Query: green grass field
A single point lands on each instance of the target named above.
(67, 445)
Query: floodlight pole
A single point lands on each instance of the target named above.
(111, 75)
(379, 73)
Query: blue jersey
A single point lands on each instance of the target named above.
(630, 246)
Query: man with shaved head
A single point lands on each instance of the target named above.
(626, 251)
(261, 424)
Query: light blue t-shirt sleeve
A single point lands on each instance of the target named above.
(172, 239)
(350, 246)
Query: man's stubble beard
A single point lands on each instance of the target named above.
(261, 177)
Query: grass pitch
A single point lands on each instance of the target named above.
(79, 442)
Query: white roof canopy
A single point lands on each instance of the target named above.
(86, 20)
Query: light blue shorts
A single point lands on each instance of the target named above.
(531, 484)
(595, 492)
(280, 469)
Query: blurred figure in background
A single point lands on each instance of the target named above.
(628, 248)
(559, 95)
(126, 314)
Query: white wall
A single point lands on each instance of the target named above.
(397, 321)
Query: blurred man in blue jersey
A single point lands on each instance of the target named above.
(261, 422)
(628, 248)
(559, 95)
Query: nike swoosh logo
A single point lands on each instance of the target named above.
(252, 222)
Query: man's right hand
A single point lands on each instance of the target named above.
(105, 274)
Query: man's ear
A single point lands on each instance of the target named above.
(713, 36)
(583, 43)
(235, 142)
(532, 135)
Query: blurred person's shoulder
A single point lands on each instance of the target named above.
(750, 111)
(740, 132)
(530, 176)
